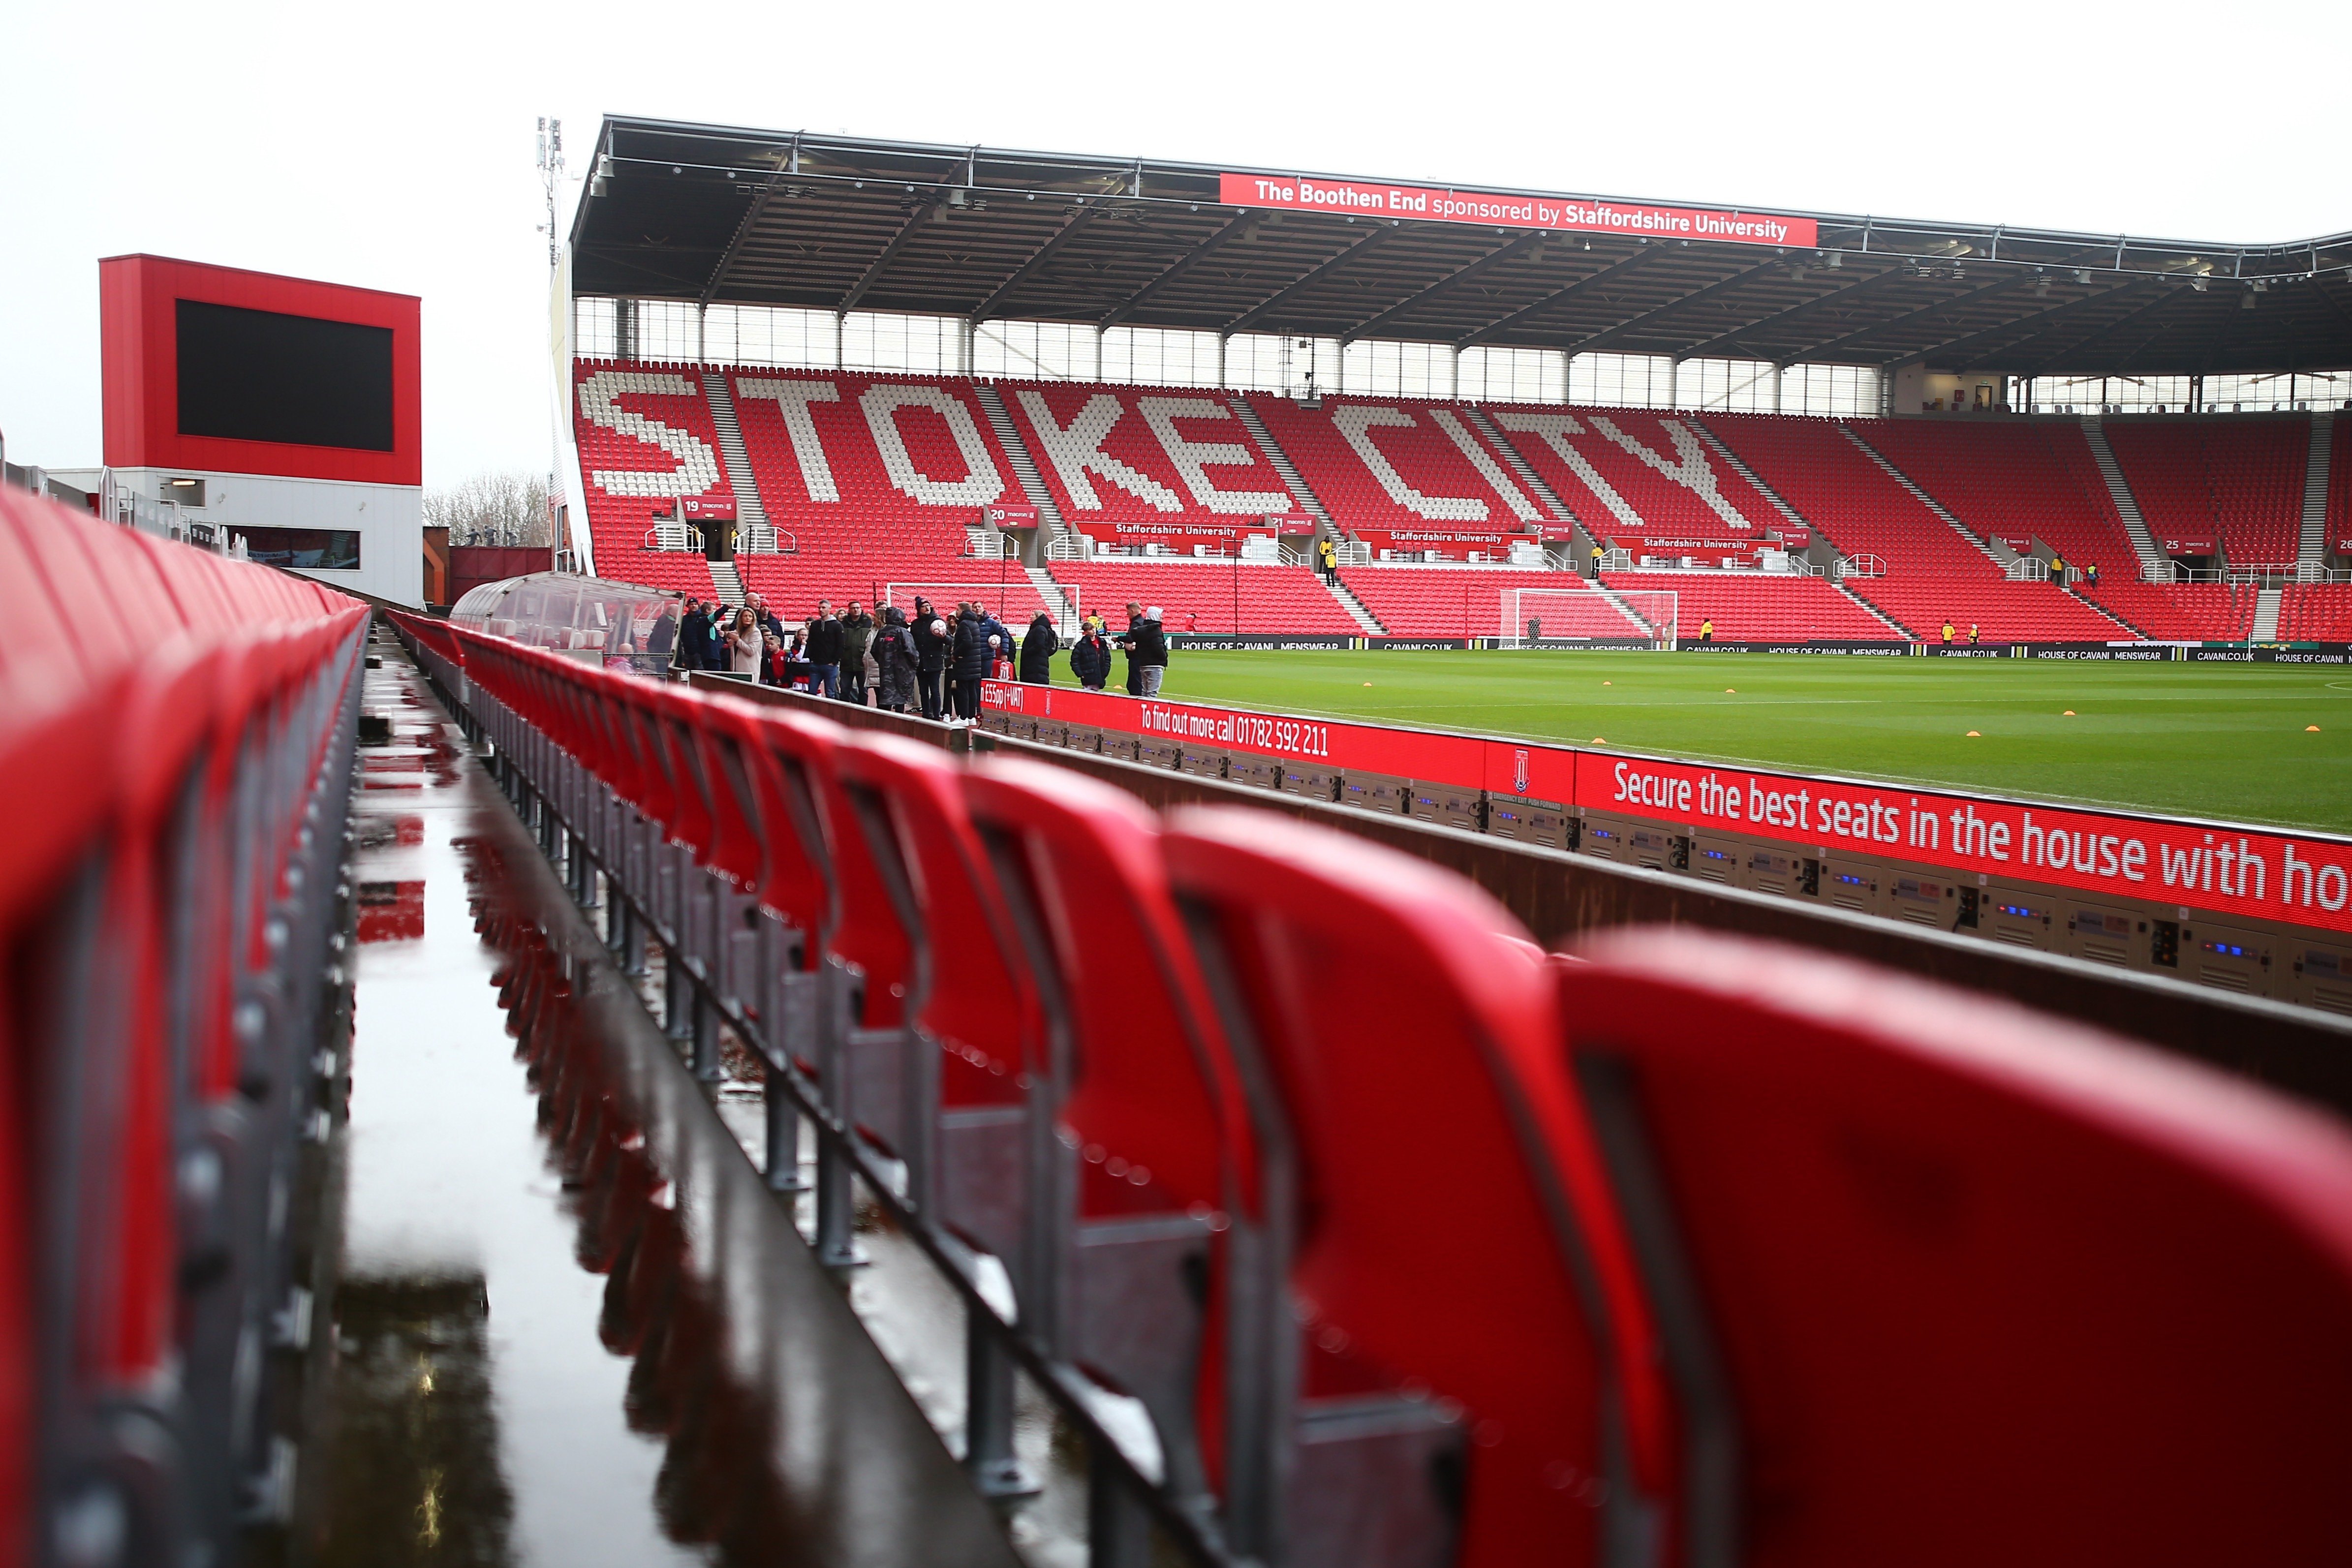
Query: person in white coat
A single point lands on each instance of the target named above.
(747, 643)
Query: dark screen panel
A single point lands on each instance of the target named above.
(257, 375)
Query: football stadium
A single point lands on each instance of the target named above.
(1142, 863)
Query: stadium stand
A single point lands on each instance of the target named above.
(1933, 574)
(1603, 463)
(1398, 464)
(2238, 480)
(1196, 597)
(2314, 613)
(2036, 481)
(1161, 456)
(646, 441)
(1467, 601)
(871, 479)
(2178, 612)
(2014, 479)
(1754, 608)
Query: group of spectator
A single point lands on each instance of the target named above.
(930, 662)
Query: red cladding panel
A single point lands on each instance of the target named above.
(138, 298)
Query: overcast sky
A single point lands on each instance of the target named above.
(392, 147)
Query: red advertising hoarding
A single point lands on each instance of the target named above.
(2214, 868)
(1581, 214)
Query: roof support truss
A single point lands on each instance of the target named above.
(1076, 220)
(1617, 269)
(1635, 323)
(1452, 280)
(1792, 313)
(881, 264)
(1830, 345)
(2017, 327)
(1314, 274)
(1178, 269)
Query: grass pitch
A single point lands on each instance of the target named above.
(2206, 741)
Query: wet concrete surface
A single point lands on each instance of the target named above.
(572, 1326)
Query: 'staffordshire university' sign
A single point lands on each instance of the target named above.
(1581, 215)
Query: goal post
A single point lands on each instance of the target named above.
(1012, 600)
(1567, 617)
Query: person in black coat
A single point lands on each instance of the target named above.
(825, 652)
(895, 662)
(1038, 651)
(932, 632)
(971, 661)
(1090, 660)
(694, 632)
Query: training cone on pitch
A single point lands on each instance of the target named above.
(1976, 732)
(2069, 713)
(2311, 729)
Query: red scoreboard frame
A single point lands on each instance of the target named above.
(138, 328)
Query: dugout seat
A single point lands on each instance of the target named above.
(1435, 1202)
(1960, 1284)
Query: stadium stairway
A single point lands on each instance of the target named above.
(1714, 444)
(2266, 616)
(749, 513)
(728, 583)
(1876, 614)
(2119, 491)
(2311, 548)
(1355, 607)
(1982, 545)
(1057, 602)
(1024, 465)
(1518, 463)
(1292, 480)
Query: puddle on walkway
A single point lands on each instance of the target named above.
(475, 1415)
(573, 1327)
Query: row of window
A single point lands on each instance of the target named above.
(1153, 356)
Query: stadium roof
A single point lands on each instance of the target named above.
(721, 216)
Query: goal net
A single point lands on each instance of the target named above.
(1566, 617)
(1011, 599)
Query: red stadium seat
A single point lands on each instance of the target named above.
(971, 997)
(1933, 572)
(2238, 480)
(1433, 1195)
(1140, 1078)
(1958, 1284)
